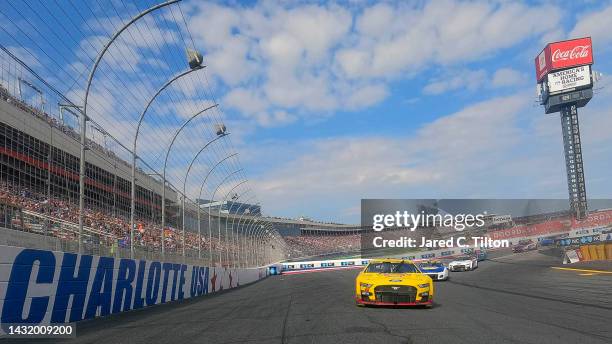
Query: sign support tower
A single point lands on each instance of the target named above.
(565, 83)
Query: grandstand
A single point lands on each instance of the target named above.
(39, 181)
(39, 192)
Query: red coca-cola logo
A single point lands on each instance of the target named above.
(578, 52)
(564, 54)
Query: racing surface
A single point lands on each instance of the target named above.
(517, 298)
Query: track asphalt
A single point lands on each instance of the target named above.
(516, 298)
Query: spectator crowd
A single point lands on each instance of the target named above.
(110, 228)
(313, 245)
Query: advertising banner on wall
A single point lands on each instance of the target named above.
(499, 219)
(47, 287)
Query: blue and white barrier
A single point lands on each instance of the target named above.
(42, 287)
(321, 265)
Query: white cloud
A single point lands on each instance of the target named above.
(464, 80)
(245, 101)
(366, 96)
(437, 160)
(275, 118)
(500, 148)
(472, 80)
(507, 77)
(324, 58)
(596, 24)
(471, 31)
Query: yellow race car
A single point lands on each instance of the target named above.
(393, 282)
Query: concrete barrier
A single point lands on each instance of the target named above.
(43, 287)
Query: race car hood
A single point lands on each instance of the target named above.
(460, 262)
(381, 278)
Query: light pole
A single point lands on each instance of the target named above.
(251, 227)
(227, 218)
(191, 69)
(246, 240)
(208, 211)
(256, 229)
(240, 236)
(269, 241)
(84, 117)
(163, 222)
(260, 238)
(236, 240)
(212, 200)
(220, 134)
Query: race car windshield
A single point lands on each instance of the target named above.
(430, 264)
(392, 268)
(464, 258)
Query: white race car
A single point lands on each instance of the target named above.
(463, 263)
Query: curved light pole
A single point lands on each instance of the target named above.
(233, 219)
(254, 228)
(247, 239)
(272, 238)
(208, 211)
(164, 171)
(248, 230)
(244, 231)
(250, 223)
(222, 134)
(257, 229)
(84, 117)
(266, 243)
(135, 155)
(269, 242)
(240, 216)
(261, 256)
(212, 200)
(245, 235)
(261, 252)
(227, 219)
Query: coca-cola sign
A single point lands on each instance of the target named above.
(577, 52)
(564, 54)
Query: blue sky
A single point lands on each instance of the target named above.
(329, 103)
